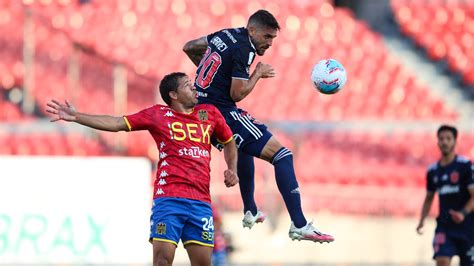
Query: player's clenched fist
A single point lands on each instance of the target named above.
(230, 178)
(265, 70)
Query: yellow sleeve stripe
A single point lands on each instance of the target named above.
(165, 240)
(128, 124)
(199, 243)
(225, 142)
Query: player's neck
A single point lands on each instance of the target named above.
(447, 159)
(181, 108)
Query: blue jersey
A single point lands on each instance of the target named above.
(229, 55)
(452, 182)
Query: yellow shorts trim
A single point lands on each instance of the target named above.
(165, 240)
(128, 124)
(225, 142)
(199, 243)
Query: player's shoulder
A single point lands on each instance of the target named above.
(432, 167)
(462, 159)
(153, 108)
(238, 37)
(157, 108)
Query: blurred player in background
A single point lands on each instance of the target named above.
(219, 254)
(182, 131)
(222, 79)
(452, 177)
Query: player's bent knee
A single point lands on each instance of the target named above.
(270, 149)
(162, 259)
(199, 255)
(161, 262)
(282, 155)
(163, 253)
(201, 262)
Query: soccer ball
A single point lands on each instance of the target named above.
(328, 76)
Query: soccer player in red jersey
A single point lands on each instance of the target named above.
(182, 131)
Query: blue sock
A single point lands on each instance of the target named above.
(288, 186)
(246, 173)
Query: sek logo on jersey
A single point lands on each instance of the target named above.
(194, 152)
(193, 132)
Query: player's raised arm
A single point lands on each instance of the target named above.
(195, 49)
(240, 88)
(67, 112)
(230, 156)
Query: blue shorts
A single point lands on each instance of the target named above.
(173, 219)
(250, 135)
(449, 243)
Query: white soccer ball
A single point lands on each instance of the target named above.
(328, 76)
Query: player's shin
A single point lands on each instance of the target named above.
(246, 173)
(288, 186)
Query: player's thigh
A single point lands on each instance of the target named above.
(168, 219)
(444, 246)
(163, 253)
(199, 255)
(250, 135)
(199, 227)
(443, 261)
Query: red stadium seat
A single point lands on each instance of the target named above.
(442, 34)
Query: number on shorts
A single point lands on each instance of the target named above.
(208, 224)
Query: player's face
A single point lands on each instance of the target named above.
(187, 94)
(446, 142)
(262, 38)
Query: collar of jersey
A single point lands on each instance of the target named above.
(251, 43)
(190, 112)
(174, 111)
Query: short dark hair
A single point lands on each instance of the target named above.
(264, 18)
(170, 83)
(448, 128)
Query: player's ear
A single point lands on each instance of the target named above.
(252, 29)
(173, 95)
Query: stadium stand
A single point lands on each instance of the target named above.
(142, 37)
(444, 28)
(135, 36)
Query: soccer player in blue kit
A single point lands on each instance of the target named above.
(452, 178)
(222, 79)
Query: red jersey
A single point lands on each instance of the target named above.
(184, 143)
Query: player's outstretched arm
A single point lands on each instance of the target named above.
(195, 49)
(230, 156)
(67, 112)
(425, 211)
(240, 88)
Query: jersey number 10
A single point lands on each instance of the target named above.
(209, 66)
